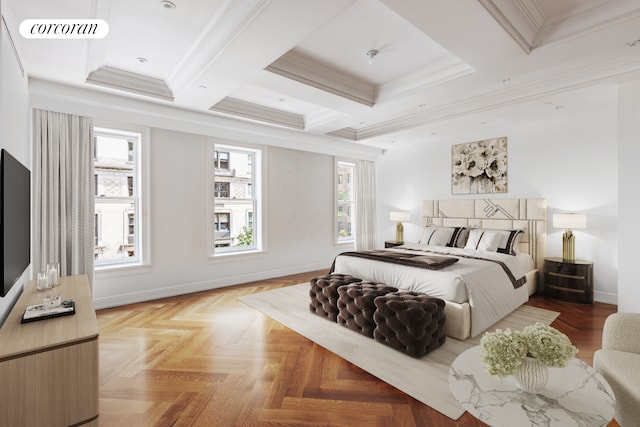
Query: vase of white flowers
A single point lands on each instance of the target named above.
(532, 375)
(526, 354)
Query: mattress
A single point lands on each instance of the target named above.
(478, 278)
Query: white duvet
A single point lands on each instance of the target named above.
(483, 284)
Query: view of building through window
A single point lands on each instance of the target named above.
(116, 196)
(235, 199)
(345, 201)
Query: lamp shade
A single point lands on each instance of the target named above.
(399, 216)
(571, 221)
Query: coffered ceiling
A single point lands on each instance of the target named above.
(373, 72)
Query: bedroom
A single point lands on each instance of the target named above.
(579, 157)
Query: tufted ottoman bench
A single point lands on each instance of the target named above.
(356, 305)
(324, 294)
(410, 322)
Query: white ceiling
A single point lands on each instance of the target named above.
(303, 64)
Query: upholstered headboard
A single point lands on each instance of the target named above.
(529, 215)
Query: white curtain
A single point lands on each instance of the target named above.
(63, 205)
(365, 205)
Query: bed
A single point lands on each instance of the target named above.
(490, 277)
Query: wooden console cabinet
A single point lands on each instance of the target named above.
(49, 368)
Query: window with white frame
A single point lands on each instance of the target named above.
(345, 201)
(235, 199)
(118, 195)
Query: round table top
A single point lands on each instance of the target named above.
(575, 395)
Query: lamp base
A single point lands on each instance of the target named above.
(399, 233)
(568, 247)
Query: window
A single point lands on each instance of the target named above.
(235, 205)
(222, 228)
(221, 160)
(222, 190)
(96, 231)
(344, 201)
(250, 219)
(131, 228)
(118, 192)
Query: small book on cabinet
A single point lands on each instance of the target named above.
(39, 312)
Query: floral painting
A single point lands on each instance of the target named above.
(479, 167)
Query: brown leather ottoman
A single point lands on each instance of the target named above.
(410, 322)
(356, 305)
(324, 294)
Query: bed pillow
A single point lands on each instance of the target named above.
(510, 242)
(463, 236)
(485, 240)
(502, 241)
(440, 236)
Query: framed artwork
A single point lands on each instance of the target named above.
(479, 167)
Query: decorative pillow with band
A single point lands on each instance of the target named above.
(502, 241)
(441, 236)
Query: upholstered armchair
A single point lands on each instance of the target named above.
(619, 363)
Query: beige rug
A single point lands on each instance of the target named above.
(425, 379)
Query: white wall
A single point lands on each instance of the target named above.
(570, 159)
(629, 152)
(14, 132)
(299, 193)
(299, 223)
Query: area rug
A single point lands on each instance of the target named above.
(425, 379)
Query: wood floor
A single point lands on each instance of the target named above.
(207, 359)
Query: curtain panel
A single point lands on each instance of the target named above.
(63, 199)
(365, 205)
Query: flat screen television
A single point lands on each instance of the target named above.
(15, 218)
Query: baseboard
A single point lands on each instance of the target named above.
(605, 297)
(206, 285)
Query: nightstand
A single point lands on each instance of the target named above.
(392, 243)
(568, 281)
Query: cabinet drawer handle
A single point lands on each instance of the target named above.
(560, 288)
(566, 276)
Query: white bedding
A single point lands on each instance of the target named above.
(483, 284)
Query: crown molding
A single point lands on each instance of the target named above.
(301, 68)
(220, 32)
(526, 22)
(116, 107)
(592, 17)
(517, 93)
(5, 27)
(509, 16)
(435, 74)
(249, 110)
(298, 67)
(350, 134)
(322, 117)
(127, 81)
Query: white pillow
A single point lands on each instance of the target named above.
(439, 236)
(503, 241)
(486, 240)
(463, 236)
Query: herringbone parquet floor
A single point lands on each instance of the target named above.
(207, 359)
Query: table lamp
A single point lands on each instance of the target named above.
(569, 221)
(399, 217)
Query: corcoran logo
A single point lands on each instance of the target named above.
(64, 29)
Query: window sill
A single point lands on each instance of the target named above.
(237, 256)
(107, 271)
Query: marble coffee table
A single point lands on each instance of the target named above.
(574, 396)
